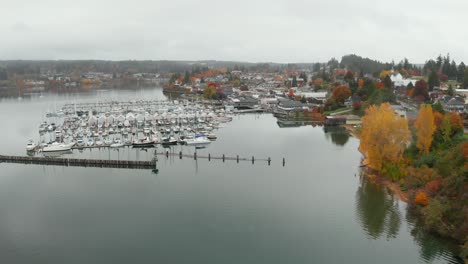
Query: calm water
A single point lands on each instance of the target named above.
(316, 209)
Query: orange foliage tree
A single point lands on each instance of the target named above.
(455, 120)
(384, 136)
(341, 93)
(425, 128)
(438, 117)
(421, 198)
(318, 82)
(360, 83)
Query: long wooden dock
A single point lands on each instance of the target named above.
(130, 164)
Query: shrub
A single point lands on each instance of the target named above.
(421, 198)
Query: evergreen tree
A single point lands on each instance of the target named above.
(316, 67)
(465, 80)
(433, 80)
(410, 86)
(450, 90)
(453, 71)
(187, 77)
(439, 62)
(294, 82)
(387, 82)
(446, 65)
(406, 64)
(461, 72)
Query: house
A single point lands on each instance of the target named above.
(318, 97)
(455, 103)
(399, 81)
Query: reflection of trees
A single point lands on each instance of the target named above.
(378, 214)
(338, 135)
(377, 211)
(431, 247)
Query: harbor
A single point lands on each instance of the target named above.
(129, 123)
(190, 188)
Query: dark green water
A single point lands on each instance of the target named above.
(316, 209)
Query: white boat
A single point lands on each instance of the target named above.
(90, 142)
(99, 143)
(58, 147)
(117, 144)
(108, 141)
(31, 146)
(80, 142)
(198, 141)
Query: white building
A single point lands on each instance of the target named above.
(399, 81)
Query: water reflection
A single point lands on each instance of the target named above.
(377, 210)
(337, 134)
(431, 247)
(378, 213)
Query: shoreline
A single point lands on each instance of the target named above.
(377, 178)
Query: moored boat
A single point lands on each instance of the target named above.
(31, 146)
(198, 141)
(144, 142)
(58, 147)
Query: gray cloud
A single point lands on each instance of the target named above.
(247, 30)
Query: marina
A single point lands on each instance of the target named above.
(129, 123)
(191, 193)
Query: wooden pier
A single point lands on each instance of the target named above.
(128, 164)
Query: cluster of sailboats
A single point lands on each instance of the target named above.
(166, 124)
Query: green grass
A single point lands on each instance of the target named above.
(336, 110)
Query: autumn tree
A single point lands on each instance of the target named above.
(438, 117)
(420, 91)
(425, 128)
(446, 128)
(384, 74)
(210, 91)
(455, 121)
(384, 136)
(341, 93)
(421, 198)
(318, 82)
(360, 83)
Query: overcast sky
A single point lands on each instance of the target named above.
(240, 30)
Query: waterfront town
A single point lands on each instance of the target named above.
(340, 89)
(381, 104)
